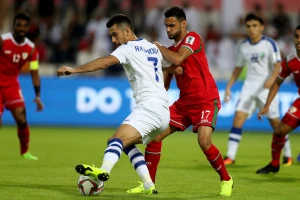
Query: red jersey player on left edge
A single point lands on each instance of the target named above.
(15, 51)
(290, 121)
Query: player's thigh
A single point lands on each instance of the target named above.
(13, 99)
(127, 134)
(179, 117)
(169, 130)
(245, 104)
(149, 119)
(204, 114)
(291, 118)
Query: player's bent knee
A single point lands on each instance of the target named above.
(204, 143)
(204, 137)
(279, 131)
(22, 123)
(158, 138)
(239, 119)
(274, 122)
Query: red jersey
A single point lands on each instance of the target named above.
(13, 56)
(196, 84)
(291, 65)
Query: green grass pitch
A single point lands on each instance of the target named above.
(183, 172)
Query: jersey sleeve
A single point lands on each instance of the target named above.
(240, 61)
(275, 56)
(165, 63)
(122, 54)
(192, 42)
(284, 70)
(34, 60)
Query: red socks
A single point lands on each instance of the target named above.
(23, 134)
(277, 145)
(152, 157)
(214, 156)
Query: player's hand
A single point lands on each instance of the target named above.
(227, 95)
(177, 70)
(65, 71)
(268, 83)
(262, 112)
(39, 104)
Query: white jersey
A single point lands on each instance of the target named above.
(259, 59)
(142, 62)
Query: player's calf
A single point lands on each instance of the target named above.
(138, 162)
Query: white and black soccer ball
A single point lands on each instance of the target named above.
(90, 186)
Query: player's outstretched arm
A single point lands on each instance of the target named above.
(273, 76)
(174, 57)
(234, 76)
(95, 65)
(272, 93)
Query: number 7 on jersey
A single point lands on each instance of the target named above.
(154, 60)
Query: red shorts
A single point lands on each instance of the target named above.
(292, 117)
(11, 97)
(203, 114)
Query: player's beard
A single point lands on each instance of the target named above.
(175, 35)
(19, 37)
(298, 47)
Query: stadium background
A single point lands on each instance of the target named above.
(71, 33)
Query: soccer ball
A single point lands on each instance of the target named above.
(90, 186)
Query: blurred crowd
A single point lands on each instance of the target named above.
(73, 32)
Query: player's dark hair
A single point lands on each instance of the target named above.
(297, 28)
(252, 16)
(176, 12)
(23, 16)
(119, 19)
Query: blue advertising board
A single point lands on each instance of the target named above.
(105, 102)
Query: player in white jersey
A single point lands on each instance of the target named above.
(262, 57)
(142, 62)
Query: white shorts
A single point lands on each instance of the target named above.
(249, 103)
(150, 118)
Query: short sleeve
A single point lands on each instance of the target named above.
(275, 56)
(165, 63)
(34, 60)
(284, 70)
(193, 42)
(240, 61)
(122, 54)
(34, 56)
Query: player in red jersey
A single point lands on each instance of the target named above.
(290, 121)
(199, 102)
(15, 51)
